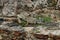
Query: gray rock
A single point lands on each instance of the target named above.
(9, 9)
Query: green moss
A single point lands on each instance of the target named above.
(47, 19)
(23, 23)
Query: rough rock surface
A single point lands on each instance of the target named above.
(43, 15)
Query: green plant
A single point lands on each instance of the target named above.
(47, 19)
(23, 23)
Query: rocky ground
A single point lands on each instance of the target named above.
(29, 19)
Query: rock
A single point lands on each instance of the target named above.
(0, 37)
(12, 24)
(9, 9)
(1, 3)
(16, 28)
(23, 15)
(31, 20)
(25, 2)
(4, 27)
